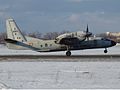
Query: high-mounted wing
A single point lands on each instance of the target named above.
(70, 38)
(73, 38)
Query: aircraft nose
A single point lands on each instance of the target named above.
(113, 43)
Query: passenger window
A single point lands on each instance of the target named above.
(41, 45)
(46, 45)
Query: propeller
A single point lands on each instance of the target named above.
(87, 30)
(88, 34)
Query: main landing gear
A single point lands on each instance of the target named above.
(105, 51)
(68, 53)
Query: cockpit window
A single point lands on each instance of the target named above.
(105, 39)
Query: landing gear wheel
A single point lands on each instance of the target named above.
(68, 53)
(105, 51)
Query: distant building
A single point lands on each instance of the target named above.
(116, 34)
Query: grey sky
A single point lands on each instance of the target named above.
(58, 15)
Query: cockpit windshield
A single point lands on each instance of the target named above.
(105, 39)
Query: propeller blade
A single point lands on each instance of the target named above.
(88, 34)
(87, 30)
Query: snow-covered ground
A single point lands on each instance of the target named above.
(36, 75)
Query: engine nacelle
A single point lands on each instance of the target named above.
(80, 35)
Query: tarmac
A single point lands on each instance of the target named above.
(60, 58)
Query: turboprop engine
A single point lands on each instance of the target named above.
(69, 38)
(80, 35)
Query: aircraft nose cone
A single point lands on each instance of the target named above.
(113, 43)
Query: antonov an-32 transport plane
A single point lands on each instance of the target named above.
(66, 42)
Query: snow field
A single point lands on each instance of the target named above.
(54, 75)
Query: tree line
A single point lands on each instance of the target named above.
(53, 35)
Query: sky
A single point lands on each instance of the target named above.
(59, 15)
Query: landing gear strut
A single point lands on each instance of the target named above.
(68, 53)
(105, 51)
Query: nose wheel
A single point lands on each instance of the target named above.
(105, 51)
(68, 53)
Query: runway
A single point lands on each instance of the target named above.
(8, 55)
(59, 58)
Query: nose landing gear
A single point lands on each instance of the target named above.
(68, 53)
(105, 51)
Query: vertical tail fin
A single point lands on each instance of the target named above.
(13, 31)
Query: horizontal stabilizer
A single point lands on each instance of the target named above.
(18, 43)
(10, 41)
